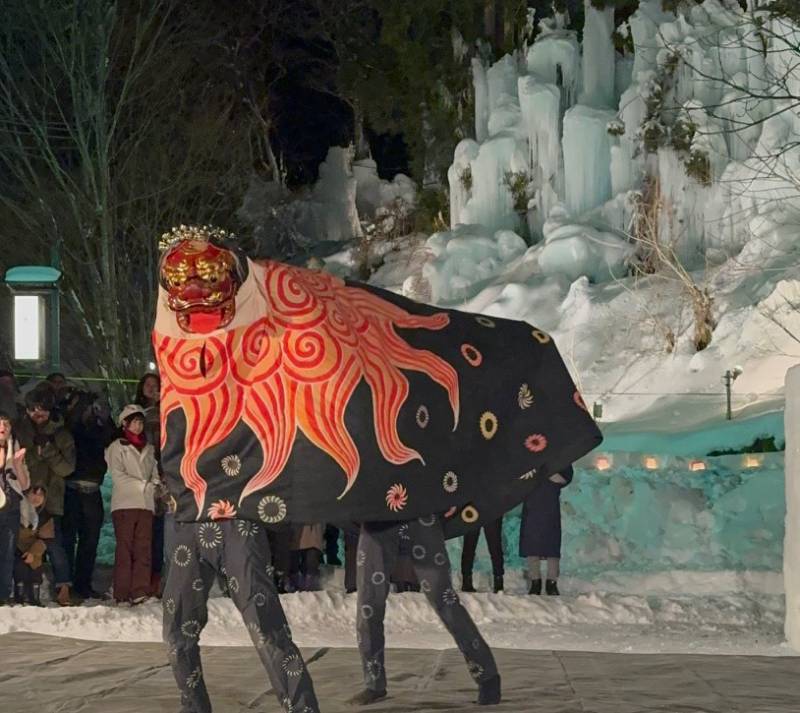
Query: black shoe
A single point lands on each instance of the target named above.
(498, 584)
(334, 561)
(551, 587)
(466, 583)
(536, 586)
(366, 697)
(489, 692)
(19, 593)
(349, 590)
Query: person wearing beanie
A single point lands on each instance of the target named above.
(134, 478)
(50, 458)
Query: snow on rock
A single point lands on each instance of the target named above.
(334, 195)
(373, 192)
(466, 256)
(580, 250)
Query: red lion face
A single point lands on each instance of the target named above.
(201, 281)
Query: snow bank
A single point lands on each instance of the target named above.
(634, 615)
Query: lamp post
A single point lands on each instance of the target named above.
(36, 314)
(730, 376)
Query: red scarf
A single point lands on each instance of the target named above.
(139, 440)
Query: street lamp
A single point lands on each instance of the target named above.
(36, 314)
(730, 376)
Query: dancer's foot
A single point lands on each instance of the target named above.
(489, 692)
(366, 697)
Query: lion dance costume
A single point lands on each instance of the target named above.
(290, 395)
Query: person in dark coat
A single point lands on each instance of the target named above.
(50, 458)
(89, 421)
(540, 533)
(493, 532)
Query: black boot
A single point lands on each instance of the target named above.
(19, 593)
(366, 697)
(35, 596)
(489, 692)
(466, 583)
(498, 583)
(536, 586)
(551, 587)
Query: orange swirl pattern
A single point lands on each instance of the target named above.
(298, 367)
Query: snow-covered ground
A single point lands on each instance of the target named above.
(669, 612)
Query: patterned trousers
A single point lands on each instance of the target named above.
(239, 550)
(378, 547)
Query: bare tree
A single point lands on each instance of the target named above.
(657, 257)
(108, 137)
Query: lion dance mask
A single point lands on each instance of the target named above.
(290, 395)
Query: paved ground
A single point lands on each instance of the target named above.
(41, 674)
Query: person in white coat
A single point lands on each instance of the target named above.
(134, 477)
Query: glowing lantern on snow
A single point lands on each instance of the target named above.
(751, 461)
(697, 465)
(650, 462)
(602, 463)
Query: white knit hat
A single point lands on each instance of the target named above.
(128, 411)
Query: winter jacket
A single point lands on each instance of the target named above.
(540, 530)
(91, 440)
(134, 476)
(49, 462)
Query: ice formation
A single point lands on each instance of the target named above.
(557, 125)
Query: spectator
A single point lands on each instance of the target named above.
(88, 420)
(14, 480)
(36, 531)
(50, 457)
(493, 532)
(61, 393)
(134, 475)
(540, 532)
(148, 396)
(306, 557)
(332, 545)
(9, 395)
